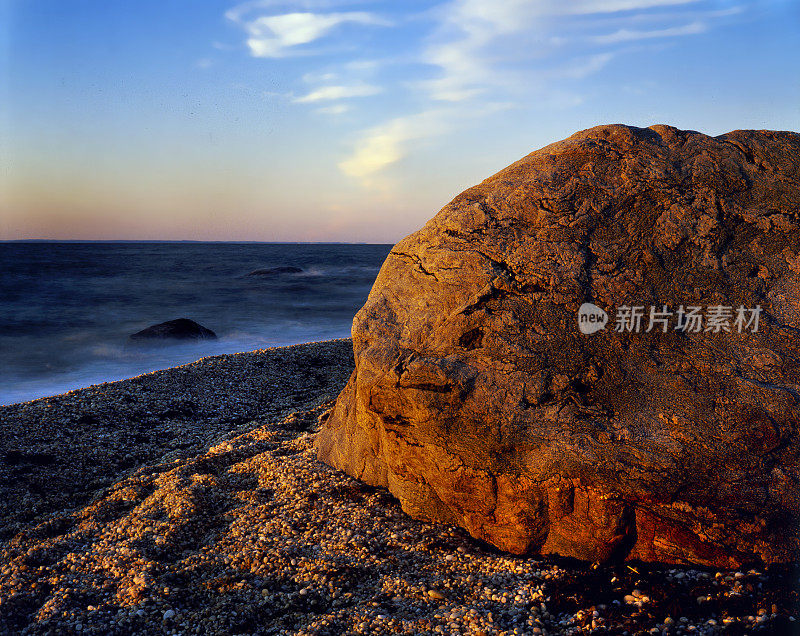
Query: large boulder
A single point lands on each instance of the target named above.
(478, 401)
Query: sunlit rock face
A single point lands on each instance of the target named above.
(478, 401)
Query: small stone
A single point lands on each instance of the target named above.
(169, 614)
(437, 596)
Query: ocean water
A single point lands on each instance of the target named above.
(67, 309)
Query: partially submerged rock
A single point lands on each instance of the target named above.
(478, 401)
(180, 329)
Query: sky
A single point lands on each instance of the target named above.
(346, 120)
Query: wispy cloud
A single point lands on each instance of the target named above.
(385, 144)
(469, 43)
(238, 12)
(582, 67)
(467, 29)
(628, 35)
(478, 53)
(586, 7)
(280, 35)
(331, 93)
(316, 78)
(388, 143)
(334, 109)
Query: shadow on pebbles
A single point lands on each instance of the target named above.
(250, 534)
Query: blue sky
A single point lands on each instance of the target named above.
(346, 120)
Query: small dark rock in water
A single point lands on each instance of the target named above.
(274, 271)
(182, 328)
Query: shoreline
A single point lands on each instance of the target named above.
(190, 500)
(61, 387)
(127, 423)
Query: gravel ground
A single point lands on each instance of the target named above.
(57, 452)
(190, 501)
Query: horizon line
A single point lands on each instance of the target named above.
(191, 241)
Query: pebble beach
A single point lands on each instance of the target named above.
(190, 501)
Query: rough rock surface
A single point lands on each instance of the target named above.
(477, 401)
(180, 328)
